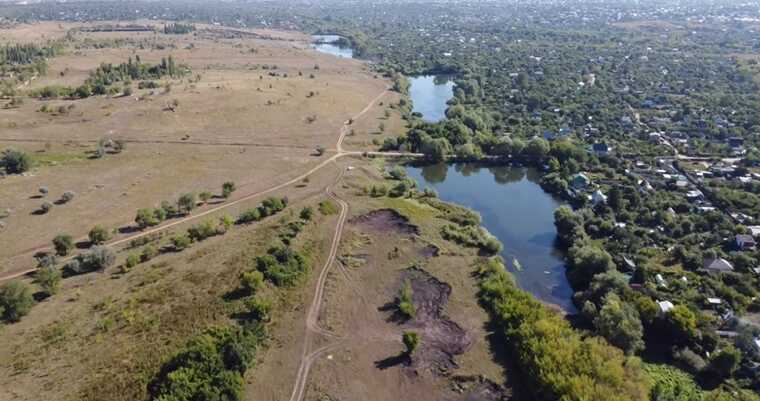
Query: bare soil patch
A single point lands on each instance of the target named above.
(385, 221)
(441, 339)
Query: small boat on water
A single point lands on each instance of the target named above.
(516, 264)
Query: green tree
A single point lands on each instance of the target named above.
(682, 322)
(228, 188)
(306, 213)
(619, 323)
(252, 281)
(49, 279)
(186, 203)
(146, 218)
(725, 362)
(15, 300)
(15, 161)
(537, 149)
(204, 196)
(63, 244)
(99, 235)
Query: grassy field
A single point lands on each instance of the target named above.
(237, 123)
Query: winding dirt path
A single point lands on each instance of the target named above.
(344, 129)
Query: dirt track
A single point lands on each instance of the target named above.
(8, 275)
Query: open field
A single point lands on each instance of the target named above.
(237, 123)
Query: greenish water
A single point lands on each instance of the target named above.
(518, 212)
(429, 94)
(323, 43)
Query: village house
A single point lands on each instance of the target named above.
(718, 265)
(580, 181)
(745, 242)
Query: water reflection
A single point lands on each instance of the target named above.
(517, 211)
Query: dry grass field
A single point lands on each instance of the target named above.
(237, 123)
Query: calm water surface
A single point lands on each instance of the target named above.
(429, 95)
(331, 48)
(518, 212)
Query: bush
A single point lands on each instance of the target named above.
(306, 213)
(133, 260)
(99, 235)
(186, 203)
(15, 161)
(210, 367)
(49, 279)
(327, 208)
(96, 258)
(472, 236)
(283, 266)
(260, 309)
(45, 207)
(181, 241)
(146, 218)
(67, 197)
(204, 196)
(15, 300)
(411, 341)
(63, 244)
(203, 230)
(404, 303)
(149, 252)
(227, 189)
(251, 281)
(249, 216)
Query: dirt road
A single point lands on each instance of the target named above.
(25, 258)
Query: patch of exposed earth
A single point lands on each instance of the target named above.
(441, 339)
(385, 221)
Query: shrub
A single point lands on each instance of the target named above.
(45, 207)
(96, 258)
(251, 281)
(67, 197)
(404, 302)
(227, 189)
(260, 309)
(203, 230)
(181, 241)
(43, 191)
(133, 260)
(15, 161)
(186, 203)
(249, 216)
(99, 235)
(411, 341)
(327, 208)
(306, 213)
(283, 266)
(49, 279)
(146, 218)
(205, 196)
(63, 244)
(149, 252)
(397, 173)
(15, 300)
(210, 367)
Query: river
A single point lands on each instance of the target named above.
(518, 212)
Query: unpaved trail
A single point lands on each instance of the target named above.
(312, 317)
(27, 254)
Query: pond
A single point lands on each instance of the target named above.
(518, 212)
(329, 44)
(429, 95)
